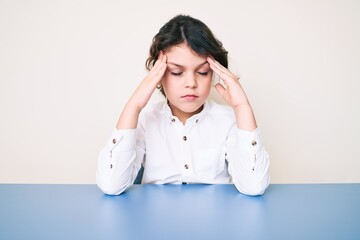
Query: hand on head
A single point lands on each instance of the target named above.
(232, 92)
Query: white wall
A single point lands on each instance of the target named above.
(68, 67)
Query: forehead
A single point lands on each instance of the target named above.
(183, 55)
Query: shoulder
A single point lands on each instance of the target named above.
(152, 111)
(152, 108)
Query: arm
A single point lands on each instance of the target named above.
(248, 161)
(235, 96)
(120, 160)
(247, 158)
(129, 116)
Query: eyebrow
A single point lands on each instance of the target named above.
(178, 65)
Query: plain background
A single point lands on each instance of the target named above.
(68, 67)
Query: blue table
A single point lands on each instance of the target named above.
(328, 211)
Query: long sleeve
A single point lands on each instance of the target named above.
(119, 161)
(248, 161)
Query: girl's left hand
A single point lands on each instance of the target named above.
(232, 93)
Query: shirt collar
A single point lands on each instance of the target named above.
(194, 119)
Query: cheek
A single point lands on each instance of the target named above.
(207, 83)
(168, 84)
(166, 77)
(206, 88)
(164, 80)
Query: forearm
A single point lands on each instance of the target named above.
(111, 177)
(251, 178)
(248, 162)
(245, 118)
(118, 163)
(129, 117)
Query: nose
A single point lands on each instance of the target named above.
(191, 81)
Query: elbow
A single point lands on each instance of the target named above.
(109, 190)
(254, 188)
(253, 191)
(110, 187)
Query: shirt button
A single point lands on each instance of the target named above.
(253, 143)
(173, 119)
(184, 138)
(114, 141)
(186, 166)
(111, 166)
(197, 120)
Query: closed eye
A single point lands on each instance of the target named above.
(203, 73)
(176, 73)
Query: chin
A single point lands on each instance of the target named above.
(191, 109)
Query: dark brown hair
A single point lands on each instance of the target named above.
(195, 33)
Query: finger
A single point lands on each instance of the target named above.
(220, 68)
(161, 68)
(224, 73)
(157, 72)
(161, 60)
(215, 63)
(226, 78)
(220, 89)
(163, 64)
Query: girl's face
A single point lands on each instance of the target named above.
(186, 82)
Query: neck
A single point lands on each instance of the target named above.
(183, 116)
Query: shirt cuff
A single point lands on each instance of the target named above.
(123, 140)
(249, 140)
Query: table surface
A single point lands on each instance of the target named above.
(285, 211)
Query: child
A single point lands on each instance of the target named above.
(186, 138)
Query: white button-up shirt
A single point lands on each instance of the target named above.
(208, 149)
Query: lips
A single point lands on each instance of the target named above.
(189, 97)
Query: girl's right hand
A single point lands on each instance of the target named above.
(146, 88)
(129, 116)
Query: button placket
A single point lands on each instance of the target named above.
(186, 152)
(115, 141)
(254, 143)
(254, 162)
